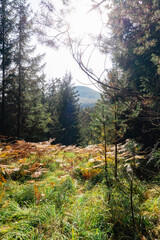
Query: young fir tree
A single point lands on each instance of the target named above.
(101, 121)
(102, 128)
(84, 121)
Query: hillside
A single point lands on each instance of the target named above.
(87, 96)
(58, 192)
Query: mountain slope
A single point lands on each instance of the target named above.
(87, 96)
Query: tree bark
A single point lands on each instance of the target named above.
(19, 76)
(3, 68)
(116, 152)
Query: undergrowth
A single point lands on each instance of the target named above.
(71, 199)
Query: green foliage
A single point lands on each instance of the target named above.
(7, 24)
(22, 231)
(25, 195)
(133, 147)
(64, 125)
(36, 123)
(153, 162)
(135, 45)
(22, 112)
(102, 122)
(156, 154)
(72, 200)
(85, 133)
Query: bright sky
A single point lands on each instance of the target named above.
(59, 62)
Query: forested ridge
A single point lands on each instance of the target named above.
(72, 172)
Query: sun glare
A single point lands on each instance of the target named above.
(82, 21)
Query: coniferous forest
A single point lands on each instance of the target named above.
(69, 171)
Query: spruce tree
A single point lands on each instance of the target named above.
(6, 45)
(32, 118)
(52, 98)
(23, 112)
(135, 48)
(84, 121)
(68, 112)
(64, 109)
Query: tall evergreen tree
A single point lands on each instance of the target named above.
(64, 108)
(68, 112)
(23, 113)
(52, 98)
(135, 44)
(31, 114)
(6, 45)
(22, 33)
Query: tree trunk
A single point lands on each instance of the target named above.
(131, 201)
(3, 69)
(116, 152)
(116, 160)
(105, 145)
(19, 77)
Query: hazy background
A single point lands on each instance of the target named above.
(59, 62)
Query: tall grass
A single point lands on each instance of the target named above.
(73, 202)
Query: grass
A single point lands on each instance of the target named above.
(71, 201)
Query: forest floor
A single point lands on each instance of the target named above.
(58, 192)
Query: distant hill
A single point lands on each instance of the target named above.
(87, 96)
